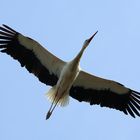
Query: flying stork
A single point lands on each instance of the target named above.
(66, 78)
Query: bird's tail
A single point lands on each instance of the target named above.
(53, 97)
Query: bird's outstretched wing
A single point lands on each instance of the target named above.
(31, 54)
(106, 93)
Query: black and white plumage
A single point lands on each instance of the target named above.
(48, 68)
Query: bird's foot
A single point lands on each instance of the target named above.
(48, 115)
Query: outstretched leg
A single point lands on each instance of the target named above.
(53, 107)
(50, 112)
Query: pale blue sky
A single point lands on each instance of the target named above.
(62, 26)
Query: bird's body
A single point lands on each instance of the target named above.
(66, 78)
(59, 94)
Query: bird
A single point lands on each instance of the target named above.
(67, 79)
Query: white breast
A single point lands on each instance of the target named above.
(68, 75)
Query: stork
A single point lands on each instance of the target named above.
(66, 78)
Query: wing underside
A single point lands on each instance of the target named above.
(31, 55)
(105, 93)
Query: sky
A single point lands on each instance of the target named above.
(61, 27)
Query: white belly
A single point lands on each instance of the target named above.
(67, 77)
(59, 94)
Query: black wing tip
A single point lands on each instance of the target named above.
(4, 25)
(11, 29)
(6, 34)
(133, 106)
(8, 30)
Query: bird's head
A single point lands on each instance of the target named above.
(87, 41)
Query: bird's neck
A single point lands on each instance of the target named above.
(79, 55)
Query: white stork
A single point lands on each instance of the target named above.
(66, 78)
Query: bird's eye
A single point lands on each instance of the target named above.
(86, 41)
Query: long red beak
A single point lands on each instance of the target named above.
(89, 40)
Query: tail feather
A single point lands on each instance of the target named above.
(65, 100)
(51, 95)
